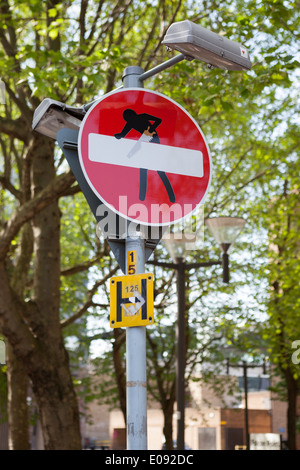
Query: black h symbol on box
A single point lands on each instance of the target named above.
(126, 300)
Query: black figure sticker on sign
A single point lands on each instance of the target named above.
(146, 125)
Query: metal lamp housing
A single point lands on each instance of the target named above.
(225, 230)
(196, 42)
(178, 244)
(51, 116)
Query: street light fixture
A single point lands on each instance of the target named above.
(225, 231)
(178, 244)
(244, 365)
(196, 42)
(51, 116)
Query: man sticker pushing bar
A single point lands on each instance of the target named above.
(146, 125)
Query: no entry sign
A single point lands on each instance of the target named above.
(144, 156)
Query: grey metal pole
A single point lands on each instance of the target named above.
(136, 380)
(180, 362)
(131, 77)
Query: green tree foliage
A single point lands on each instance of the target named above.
(76, 51)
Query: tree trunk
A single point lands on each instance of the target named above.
(168, 424)
(17, 379)
(119, 369)
(57, 404)
(32, 327)
(49, 372)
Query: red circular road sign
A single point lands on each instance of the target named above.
(144, 156)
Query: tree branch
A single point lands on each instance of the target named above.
(80, 267)
(28, 210)
(6, 184)
(14, 128)
(12, 323)
(89, 301)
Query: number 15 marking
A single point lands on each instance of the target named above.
(131, 262)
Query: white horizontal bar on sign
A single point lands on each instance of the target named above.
(149, 155)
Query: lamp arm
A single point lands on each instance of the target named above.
(163, 66)
(203, 264)
(187, 266)
(163, 265)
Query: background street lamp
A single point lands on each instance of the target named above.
(244, 365)
(225, 231)
(227, 228)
